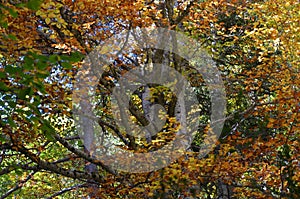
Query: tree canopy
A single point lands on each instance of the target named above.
(44, 45)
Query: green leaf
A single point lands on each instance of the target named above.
(2, 75)
(24, 92)
(37, 100)
(4, 24)
(53, 58)
(28, 63)
(26, 79)
(3, 86)
(66, 65)
(11, 69)
(42, 74)
(39, 86)
(48, 130)
(34, 4)
(20, 5)
(19, 171)
(76, 57)
(12, 12)
(41, 57)
(2, 138)
(42, 65)
(12, 104)
(43, 155)
(11, 122)
(12, 37)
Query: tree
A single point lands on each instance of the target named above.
(255, 46)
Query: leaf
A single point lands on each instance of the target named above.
(47, 20)
(4, 24)
(24, 92)
(42, 74)
(3, 86)
(2, 138)
(11, 36)
(2, 75)
(76, 57)
(54, 58)
(42, 65)
(28, 63)
(19, 171)
(48, 130)
(11, 69)
(34, 4)
(13, 12)
(11, 122)
(40, 86)
(12, 104)
(66, 65)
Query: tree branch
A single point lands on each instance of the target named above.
(10, 168)
(66, 190)
(82, 154)
(18, 186)
(184, 13)
(75, 174)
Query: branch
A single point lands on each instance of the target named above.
(5, 146)
(66, 190)
(126, 41)
(18, 186)
(184, 13)
(64, 159)
(76, 137)
(8, 169)
(143, 182)
(75, 174)
(115, 129)
(82, 154)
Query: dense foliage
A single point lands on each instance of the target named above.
(255, 45)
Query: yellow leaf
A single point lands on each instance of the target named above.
(47, 20)
(271, 123)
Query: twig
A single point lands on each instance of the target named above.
(18, 186)
(66, 190)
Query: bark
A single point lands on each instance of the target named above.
(88, 138)
(146, 104)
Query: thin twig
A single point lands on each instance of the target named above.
(66, 190)
(18, 186)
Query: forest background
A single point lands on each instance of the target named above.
(255, 46)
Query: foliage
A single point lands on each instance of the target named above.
(256, 46)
